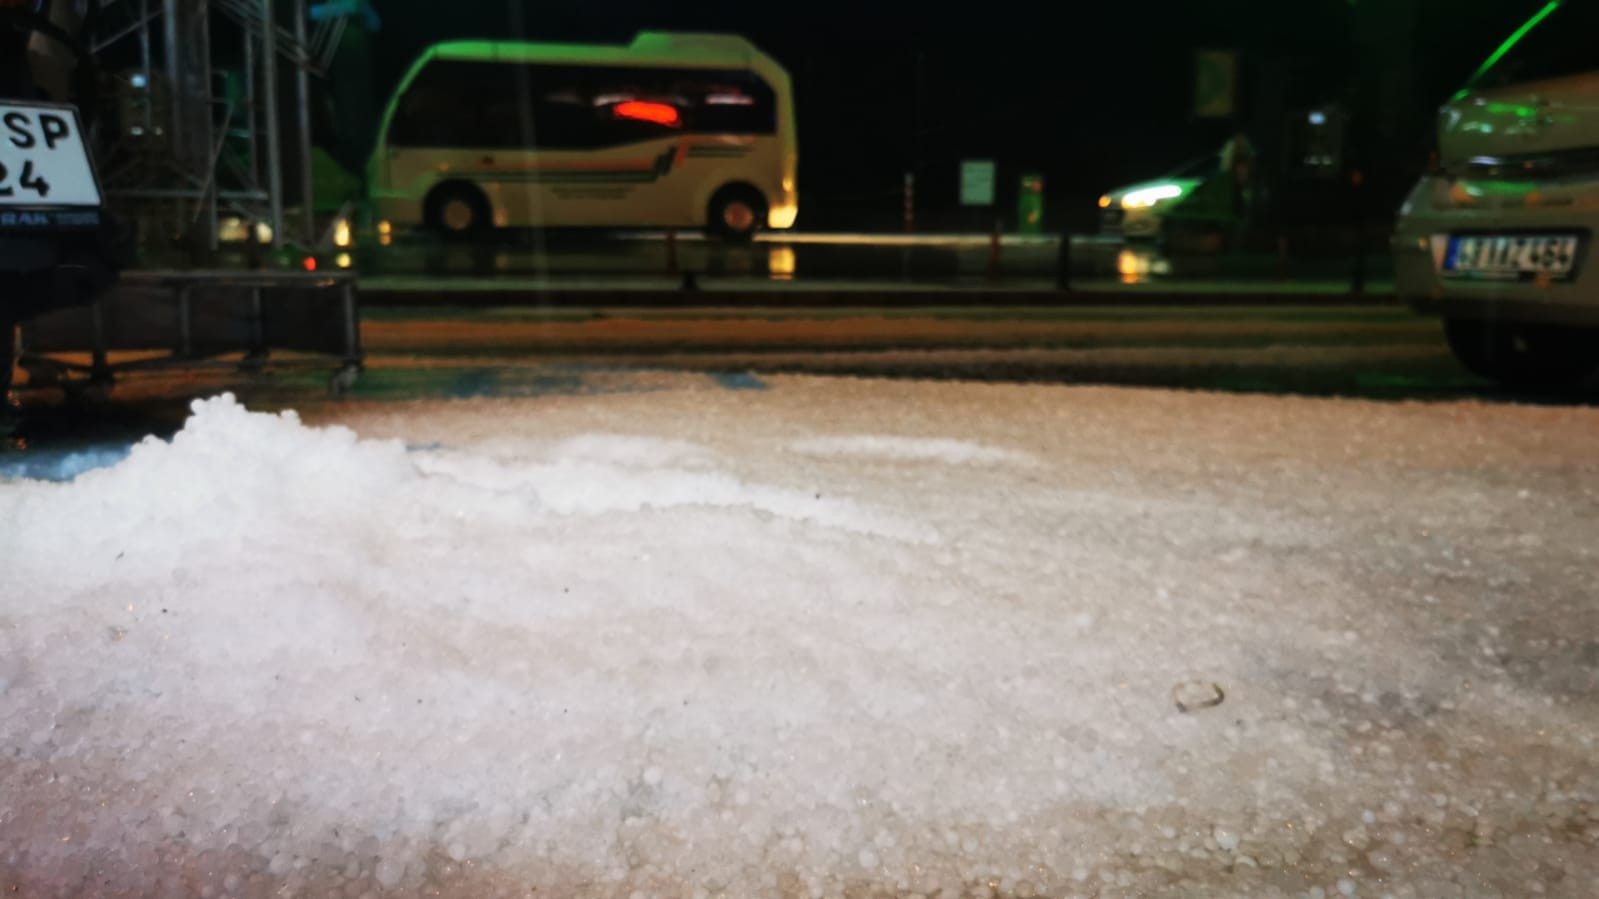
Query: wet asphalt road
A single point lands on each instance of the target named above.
(1374, 351)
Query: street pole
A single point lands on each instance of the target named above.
(252, 118)
(910, 225)
(175, 98)
(910, 202)
(302, 96)
(993, 252)
(269, 90)
(200, 58)
(1357, 280)
(1063, 262)
(144, 63)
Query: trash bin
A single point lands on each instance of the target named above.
(1030, 205)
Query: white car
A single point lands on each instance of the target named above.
(1139, 211)
(1193, 195)
(1498, 240)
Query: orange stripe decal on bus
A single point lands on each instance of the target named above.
(630, 165)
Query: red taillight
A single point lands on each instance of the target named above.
(310, 263)
(645, 111)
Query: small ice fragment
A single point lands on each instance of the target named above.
(1191, 696)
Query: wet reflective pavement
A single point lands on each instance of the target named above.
(937, 259)
(1381, 353)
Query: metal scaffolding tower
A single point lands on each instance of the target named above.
(193, 133)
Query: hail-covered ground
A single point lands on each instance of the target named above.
(826, 638)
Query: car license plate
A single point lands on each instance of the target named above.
(44, 161)
(1511, 257)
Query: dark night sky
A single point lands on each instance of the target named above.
(1100, 99)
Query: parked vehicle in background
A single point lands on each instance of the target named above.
(1499, 239)
(1192, 205)
(56, 240)
(672, 130)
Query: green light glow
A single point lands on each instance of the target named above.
(1516, 38)
(647, 48)
(1512, 110)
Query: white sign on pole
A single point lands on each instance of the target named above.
(977, 182)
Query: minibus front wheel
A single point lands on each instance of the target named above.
(736, 212)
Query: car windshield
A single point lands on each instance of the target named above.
(640, 450)
(1202, 167)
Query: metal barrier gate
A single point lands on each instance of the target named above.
(193, 319)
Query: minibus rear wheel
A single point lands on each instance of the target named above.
(457, 209)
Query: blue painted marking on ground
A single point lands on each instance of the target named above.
(560, 383)
(60, 465)
(739, 380)
(474, 383)
(571, 380)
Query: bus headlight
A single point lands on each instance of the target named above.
(782, 216)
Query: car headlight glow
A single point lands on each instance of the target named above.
(1149, 196)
